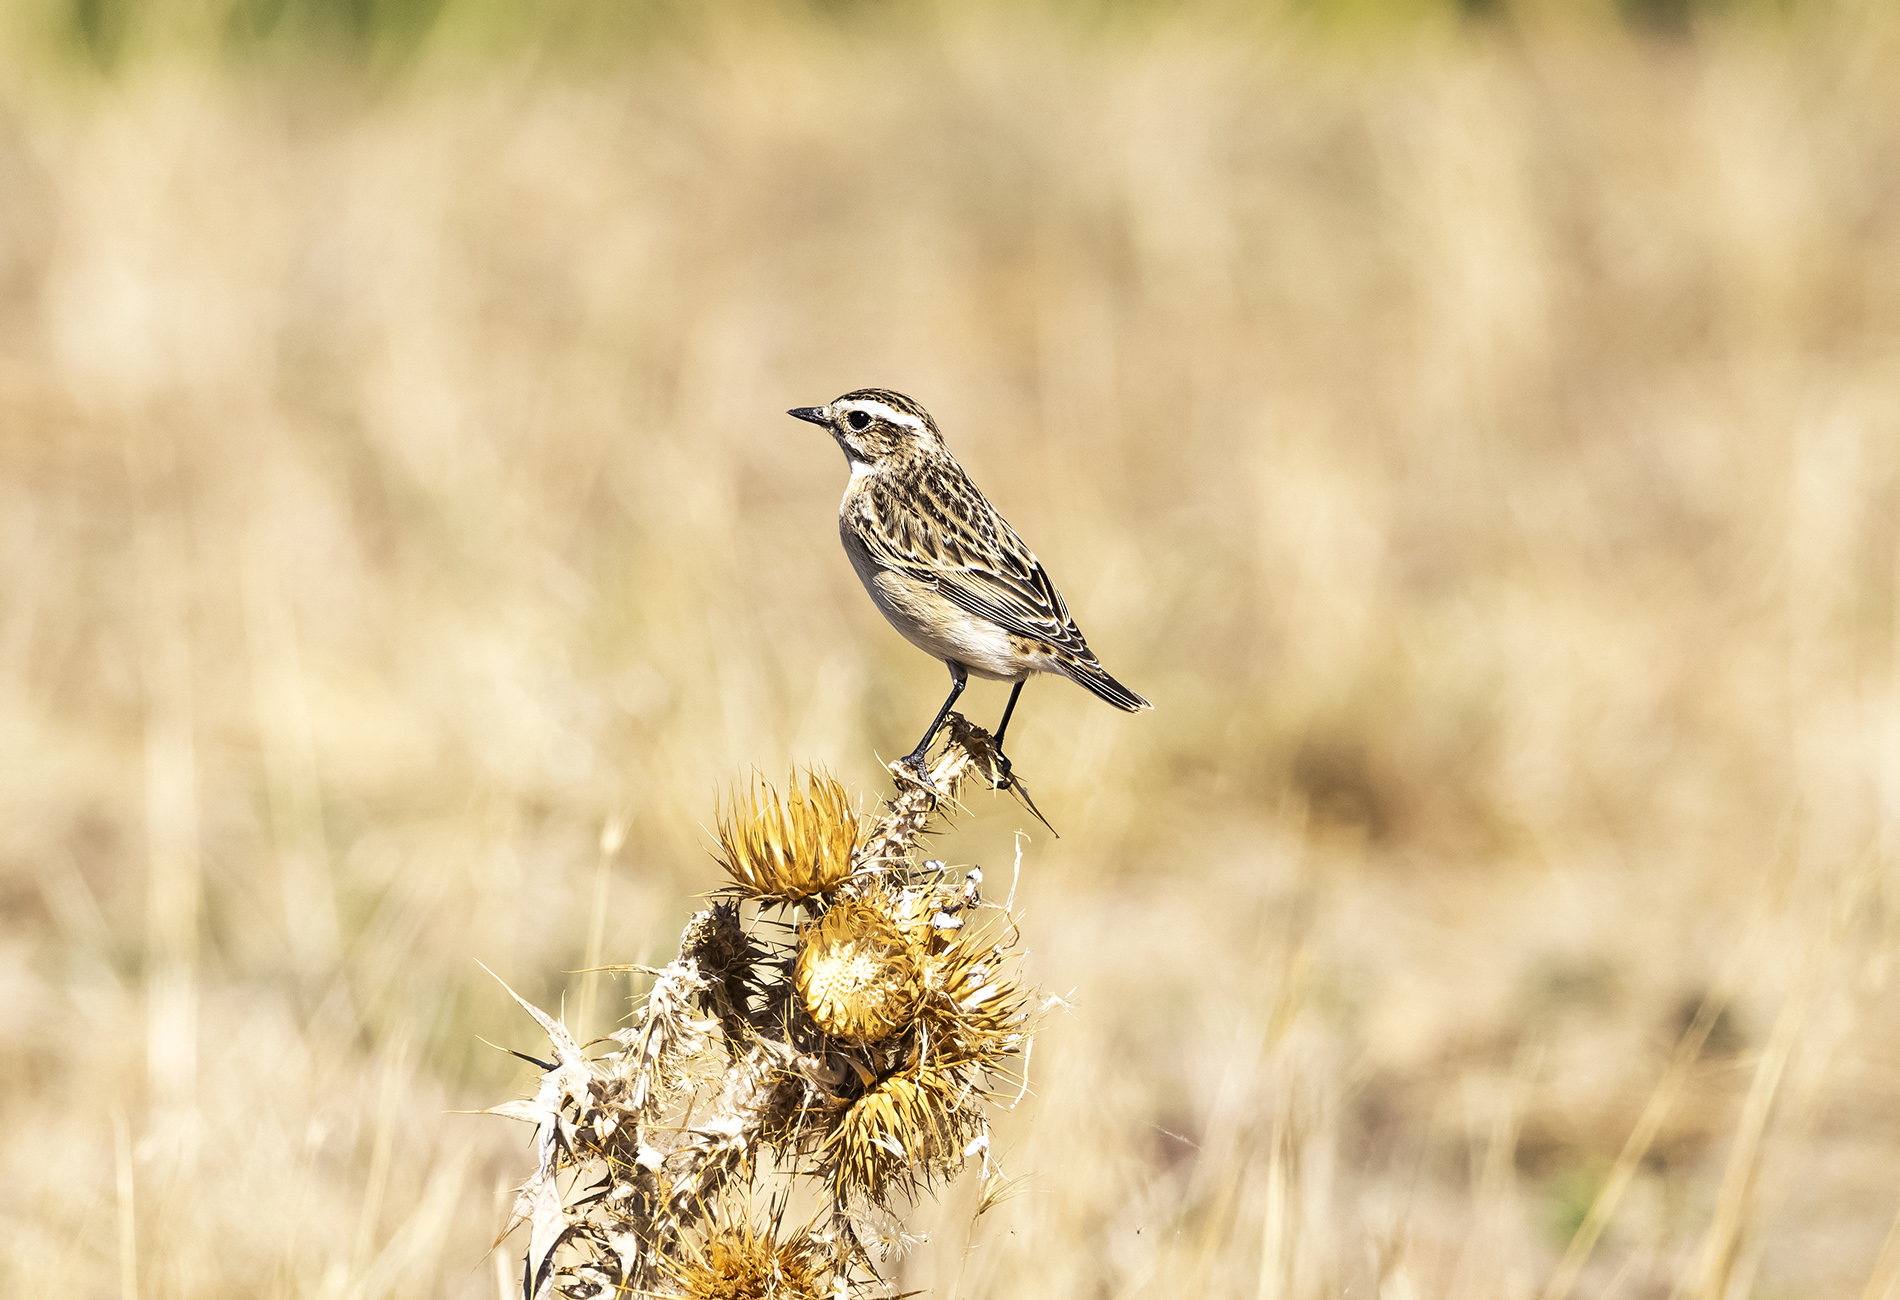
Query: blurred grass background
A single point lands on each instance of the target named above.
(1476, 426)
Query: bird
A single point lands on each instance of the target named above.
(945, 568)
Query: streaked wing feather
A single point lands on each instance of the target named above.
(1031, 608)
(976, 561)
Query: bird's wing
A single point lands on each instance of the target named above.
(938, 529)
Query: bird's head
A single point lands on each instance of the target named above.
(874, 425)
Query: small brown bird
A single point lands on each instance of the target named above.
(946, 569)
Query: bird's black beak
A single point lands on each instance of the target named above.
(816, 414)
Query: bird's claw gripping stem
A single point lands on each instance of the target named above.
(915, 766)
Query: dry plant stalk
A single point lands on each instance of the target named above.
(853, 1052)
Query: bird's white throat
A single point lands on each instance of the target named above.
(859, 469)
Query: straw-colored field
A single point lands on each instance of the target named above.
(1482, 444)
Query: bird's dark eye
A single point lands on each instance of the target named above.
(858, 421)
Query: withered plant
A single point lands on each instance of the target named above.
(836, 1022)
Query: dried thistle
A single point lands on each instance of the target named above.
(856, 974)
(726, 957)
(905, 1131)
(790, 851)
(975, 1010)
(739, 1261)
(857, 1053)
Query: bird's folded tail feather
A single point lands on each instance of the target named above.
(1092, 676)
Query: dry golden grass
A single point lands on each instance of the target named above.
(1482, 445)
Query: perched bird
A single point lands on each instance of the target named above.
(946, 569)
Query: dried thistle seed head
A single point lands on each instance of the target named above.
(784, 852)
(718, 943)
(857, 973)
(976, 1011)
(906, 1129)
(743, 1263)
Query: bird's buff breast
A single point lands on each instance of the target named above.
(937, 627)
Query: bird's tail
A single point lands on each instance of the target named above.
(1090, 675)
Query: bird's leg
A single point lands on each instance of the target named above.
(916, 759)
(1002, 759)
(1004, 778)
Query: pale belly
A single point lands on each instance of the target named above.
(938, 628)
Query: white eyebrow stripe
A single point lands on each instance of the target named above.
(890, 413)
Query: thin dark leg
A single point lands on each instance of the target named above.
(1008, 709)
(1002, 759)
(959, 678)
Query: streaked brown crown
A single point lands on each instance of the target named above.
(876, 424)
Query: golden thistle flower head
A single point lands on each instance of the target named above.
(975, 1009)
(907, 1128)
(784, 852)
(740, 1262)
(857, 973)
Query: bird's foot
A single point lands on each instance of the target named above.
(915, 767)
(1001, 777)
